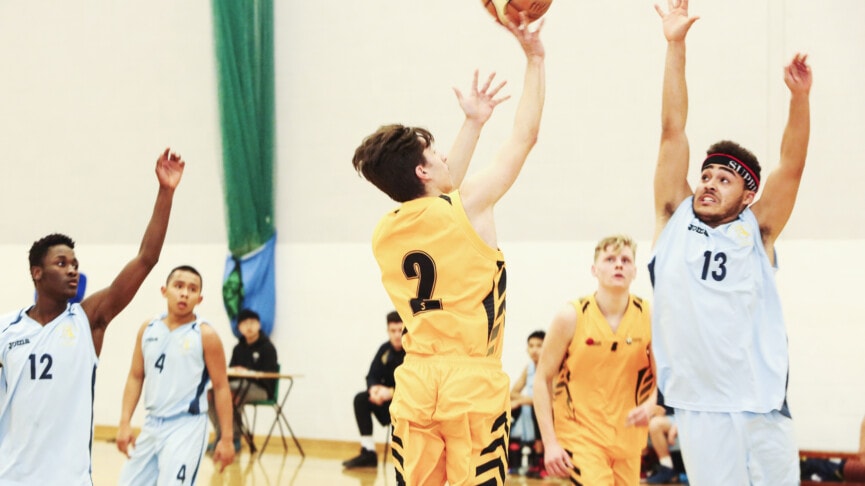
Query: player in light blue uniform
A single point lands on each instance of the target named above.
(49, 352)
(174, 358)
(719, 337)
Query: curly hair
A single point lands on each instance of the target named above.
(41, 246)
(732, 148)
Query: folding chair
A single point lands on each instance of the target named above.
(279, 418)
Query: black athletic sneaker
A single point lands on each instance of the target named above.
(664, 475)
(366, 458)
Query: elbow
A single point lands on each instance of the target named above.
(530, 138)
(148, 261)
(672, 132)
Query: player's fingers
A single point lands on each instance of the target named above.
(488, 82)
(497, 101)
(497, 88)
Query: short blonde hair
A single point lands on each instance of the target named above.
(617, 242)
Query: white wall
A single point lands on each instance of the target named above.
(93, 90)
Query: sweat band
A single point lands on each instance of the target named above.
(752, 183)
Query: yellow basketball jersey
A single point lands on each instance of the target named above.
(445, 281)
(603, 376)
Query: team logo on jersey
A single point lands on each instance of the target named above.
(187, 344)
(19, 342)
(739, 232)
(697, 229)
(68, 335)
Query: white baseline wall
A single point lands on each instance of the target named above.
(94, 90)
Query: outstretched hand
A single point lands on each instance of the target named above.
(478, 104)
(169, 169)
(530, 40)
(676, 20)
(797, 74)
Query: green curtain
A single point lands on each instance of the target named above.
(243, 35)
(243, 31)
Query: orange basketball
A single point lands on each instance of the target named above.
(854, 471)
(534, 9)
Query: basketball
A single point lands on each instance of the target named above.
(854, 470)
(534, 9)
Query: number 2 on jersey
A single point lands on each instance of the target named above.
(419, 265)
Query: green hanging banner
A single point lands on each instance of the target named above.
(243, 34)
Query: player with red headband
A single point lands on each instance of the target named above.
(719, 338)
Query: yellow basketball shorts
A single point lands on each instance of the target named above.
(596, 463)
(451, 419)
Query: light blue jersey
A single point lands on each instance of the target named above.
(47, 375)
(172, 441)
(175, 377)
(718, 331)
(524, 426)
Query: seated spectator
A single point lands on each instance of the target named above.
(524, 431)
(835, 470)
(253, 352)
(376, 399)
(662, 435)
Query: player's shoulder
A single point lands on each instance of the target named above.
(10, 317)
(207, 331)
(640, 303)
(12, 323)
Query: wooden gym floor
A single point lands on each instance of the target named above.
(321, 466)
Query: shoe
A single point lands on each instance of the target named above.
(366, 458)
(664, 475)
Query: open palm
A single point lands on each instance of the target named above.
(676, 20)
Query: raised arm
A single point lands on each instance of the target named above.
(556, 459)
(782, 185)
(671, 173)
(102, 306)
(131, 395)
(481, 191)
(478, 105)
